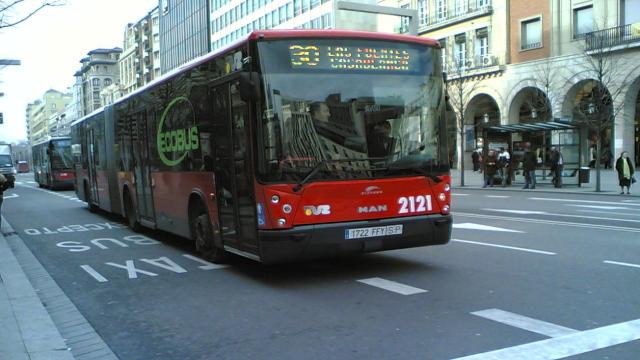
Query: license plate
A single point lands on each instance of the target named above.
(373, 232)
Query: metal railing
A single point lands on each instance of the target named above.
(607, 38)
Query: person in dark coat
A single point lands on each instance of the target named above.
(625, 170)
(529, 162)
(490, 168)
(557, 165)
(475, 157)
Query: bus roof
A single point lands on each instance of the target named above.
(349, 34)
(52, 139)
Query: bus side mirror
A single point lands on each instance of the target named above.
(249, 85)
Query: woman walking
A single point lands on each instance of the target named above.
(624, 167)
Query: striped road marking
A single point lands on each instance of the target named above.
(525, 323)
(621, 263)
(567, 345)
(392, 286)
(504, 247)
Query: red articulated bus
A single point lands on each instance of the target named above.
(53, 163)
(285, 146)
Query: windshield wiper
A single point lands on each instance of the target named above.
(317, 167)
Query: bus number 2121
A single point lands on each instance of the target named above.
(413, 204)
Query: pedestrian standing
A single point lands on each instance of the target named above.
(624, 167)
(490, 168)
(4, 185)
(529, 162)
(503, 165)
(475, 158)
(557, 165)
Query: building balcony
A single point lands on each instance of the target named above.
(452, 16)
(612, 39)
(476, 65)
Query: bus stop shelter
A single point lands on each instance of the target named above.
(540, 136)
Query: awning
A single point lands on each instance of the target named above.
(530, 127)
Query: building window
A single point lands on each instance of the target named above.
(630, 12)
(404, 24)
(95, 82)
(582, 21)
(441, 9)
(482, 47)
(422, 12)
(460, 50)
(107, 82)
(482, 3)
(531, 34)
(461, 7)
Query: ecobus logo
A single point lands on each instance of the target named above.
(177, 133)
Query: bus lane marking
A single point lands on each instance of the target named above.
(392, 286)
(621, 264)
(582, 201)
(527, 212)
(504, 247)
(162, 262)
(567, 345)
(77, 246)
(73, 228)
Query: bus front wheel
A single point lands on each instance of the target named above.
(202, 232)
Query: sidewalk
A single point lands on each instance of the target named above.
(608, 185)
(26, 329)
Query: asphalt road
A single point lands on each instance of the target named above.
(527, 274)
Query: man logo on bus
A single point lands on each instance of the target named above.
(177, 133)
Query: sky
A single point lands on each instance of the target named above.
(50, 46)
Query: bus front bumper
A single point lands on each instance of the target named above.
(331, 240)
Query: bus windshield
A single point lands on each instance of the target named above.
(61, 154)
(339, 108)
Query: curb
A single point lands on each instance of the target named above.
(30, 331)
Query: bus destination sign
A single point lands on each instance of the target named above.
(356, 58)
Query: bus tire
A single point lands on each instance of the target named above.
(130, 214)
(203, 235)
(87, 197)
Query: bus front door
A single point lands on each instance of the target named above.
(93, 176)
(234, 183)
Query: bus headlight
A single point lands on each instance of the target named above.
(275, 199)
(447, 187)
(442, 197)
(282, 222)
(446, 209)
(286, 208)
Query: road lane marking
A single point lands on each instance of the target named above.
(582, 201)
(608, 212)
(504, 247)
(526, 212)
(96, 275)
(392, 286)
(11, 196)
(568, 345)
(472, 226)
(549, 222)
(601, 207)
(525, 323)
(520, 212)
(459, 194)
(621, 263)
(498, 196)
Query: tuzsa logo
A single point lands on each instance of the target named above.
(175, 142)
(317, 210)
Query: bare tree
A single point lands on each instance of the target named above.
(460, 86)
(602, 98)
(14, 12)
(546, 76)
